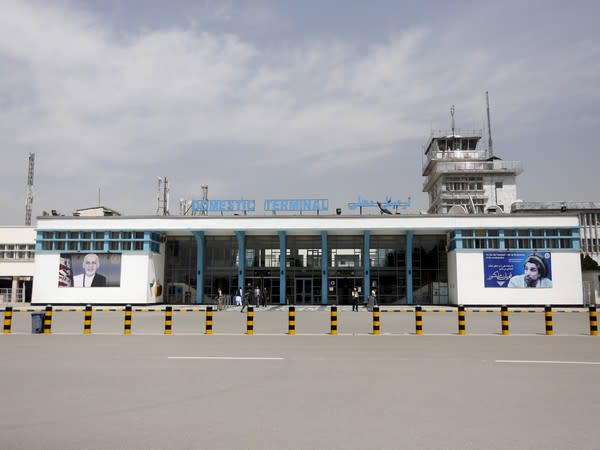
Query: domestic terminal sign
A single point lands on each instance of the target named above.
(222, 205)
(296, 205)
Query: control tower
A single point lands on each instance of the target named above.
(462, 177)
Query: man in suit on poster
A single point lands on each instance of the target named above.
(90, 276)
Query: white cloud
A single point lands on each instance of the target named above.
(117, 110)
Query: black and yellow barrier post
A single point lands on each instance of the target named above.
(504, 317)
(250, 320)
(127, 323)
(418, 320)
(209, 320)
(87, 320)
(376, 323)
(168, 319)
(593, 321)
(48, 320)
(548, 319)
(333, 320)
(461, 321)
(7, 319)
(292, 320)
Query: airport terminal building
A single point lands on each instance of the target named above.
(310, 259)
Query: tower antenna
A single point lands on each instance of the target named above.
(490, 145)
(452, 115)
(162, 197)
(205, 196)
(29, 202)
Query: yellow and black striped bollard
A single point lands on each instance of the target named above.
(127, 323)
(209, 320)
(504, 317)
(7, 319)
(87, 320)
(168, 319)
(250, 320)
(376, 323)
(418, 320)
(548, 318)
(48, 320)
(593, 321)
(292, 320)
(333, 320)
(461, 321)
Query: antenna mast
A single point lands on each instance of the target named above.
(205, 196)
(29, 202)
(452, 115)
(162, 197)
(490, 145)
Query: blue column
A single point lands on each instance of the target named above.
(200, 245)
(366, 265)
(241, 238)
(409, 266)
(576, 239)
(282, 267)
(458, 239)
(324, 268)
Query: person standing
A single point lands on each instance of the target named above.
(219, 299)
(372, 300)
(355, 299)
(265, 297)
(257, 296)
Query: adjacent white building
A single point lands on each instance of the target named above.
(17, 246)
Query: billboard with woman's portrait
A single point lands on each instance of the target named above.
(89, 270)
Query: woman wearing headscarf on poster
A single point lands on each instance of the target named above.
(534, 275)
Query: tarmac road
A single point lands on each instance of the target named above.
(273, 391)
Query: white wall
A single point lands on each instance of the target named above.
(134, 289)
(16, 267)
(468, 266)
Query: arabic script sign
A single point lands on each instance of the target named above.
(387, 204)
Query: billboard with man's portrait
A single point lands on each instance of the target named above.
(89, 270)
(517, 269)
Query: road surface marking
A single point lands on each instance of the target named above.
(546, 362)
(257, 358)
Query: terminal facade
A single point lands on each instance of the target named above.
(474, 246)
(309, 260)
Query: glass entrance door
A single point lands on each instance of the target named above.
(340, 290)
(303, 292)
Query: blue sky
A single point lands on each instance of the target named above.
(287, 99)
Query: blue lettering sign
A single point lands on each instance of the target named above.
(296, 205)
(222, 205)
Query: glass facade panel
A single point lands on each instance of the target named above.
(388, 268)
(430, 270)
(221, 267)
(180, 270)
(303, 269)
(345, 261)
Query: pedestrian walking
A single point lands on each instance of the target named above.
(355, 297)
(245, 299)
(265, 297)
